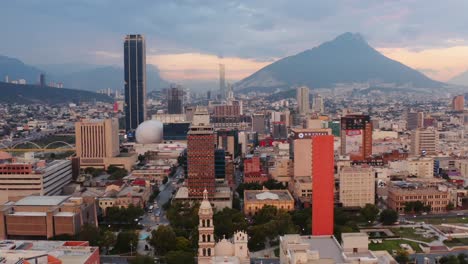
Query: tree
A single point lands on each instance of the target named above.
(177, 257)
(402, 256)
(163, 240)
(450, 206)
(183, 244)
(247, 186)
(370, 212)
(272, 184)
(227, 221)
(388, 217)
(303, 220)
(141, 158)
(107, 239)
(89, 233)
(418, 207)
(265, 214)
(165, 180)
(127, 241)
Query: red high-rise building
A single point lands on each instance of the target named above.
(322, 185)
(201, 155)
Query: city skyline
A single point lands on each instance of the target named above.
(182, 47)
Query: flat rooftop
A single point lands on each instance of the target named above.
(265, 195)
(327, 246)
(42, 200)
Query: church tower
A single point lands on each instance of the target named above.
(206, 242)
(241, 249)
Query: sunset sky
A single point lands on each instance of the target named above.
(187, 39)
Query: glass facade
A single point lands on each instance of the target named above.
(135, 81)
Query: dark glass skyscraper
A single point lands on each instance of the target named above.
(135, 81)
(175, 100)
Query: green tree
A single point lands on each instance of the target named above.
(418, 207)
(247, 186)
(89, 233)
(163, 240)
(409, 207)
(388, 217)
(370, 212)
(303, 220)
(450, 206)
(127, 241)
(402, 256)
(165, 180)
(265, 214)
(107, 239)
(272, 184)
(183, 244)
(178, 257)
(227, 221)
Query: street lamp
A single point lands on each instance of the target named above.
(131, 248)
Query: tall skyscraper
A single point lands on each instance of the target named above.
(317, 104)
(302, 97)
(222, 81)
(356, 136)
(135, 80)
(458, 103)
(322, 185)
(42, 80)
(175, 100)
(200, 154)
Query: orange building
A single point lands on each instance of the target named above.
(458, 103)
(255, 200)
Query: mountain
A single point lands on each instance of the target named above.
(346, 59)
(109, 77)
(16, 69)
(76, 76)
(31, 94)
(461, 79)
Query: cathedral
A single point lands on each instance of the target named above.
(232, 251)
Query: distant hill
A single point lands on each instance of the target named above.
(16, 69)
(346, 59)
(76, 76)
(31, 94)
(461, 79)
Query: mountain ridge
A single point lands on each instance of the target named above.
(346, 59)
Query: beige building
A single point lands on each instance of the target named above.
(424, 141)
(97, 145)
(400, 193)
(357, 186)
(462, 166)
(302, 97)
(301, 144)
(281, 170)
(255, 200)
(296, 249)
(43, 217)
(302, 189)
(421, 167)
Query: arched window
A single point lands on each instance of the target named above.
(203, 238)
(209, 238)
(209, 252)
(203, 223)
(208, 223)
(204, 252)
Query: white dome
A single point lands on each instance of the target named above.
(149, 132)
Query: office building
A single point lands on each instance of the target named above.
(44, 217)
(259, 123)
(135, 81)
(356, 136)
(255, 200)
(222, 82)
(220, 164)
(302, 97)
(317, 104)
(424, 141)
(97, 145)
(201, 141)
(458, 103)
(48, 252)
(357, 186)
(42, 80)
(228, 140)
(300, 146)
(414, 120)
(280, 131)
(175, 100)
(322, 185)
(39, 178)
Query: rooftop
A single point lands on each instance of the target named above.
(255, 195)
(41, 200)
(327, 246)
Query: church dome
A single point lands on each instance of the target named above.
(224, 248)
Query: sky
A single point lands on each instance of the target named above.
(187, 39)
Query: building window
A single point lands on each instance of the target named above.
(204, 252)
(209, 252)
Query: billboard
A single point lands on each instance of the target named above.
(354, 140)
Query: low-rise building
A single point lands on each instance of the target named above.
(41, 251)
(302, 189)
(255, 200)
(399, 193)
(39, 178)
(44, 217)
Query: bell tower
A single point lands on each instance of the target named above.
(206, 241)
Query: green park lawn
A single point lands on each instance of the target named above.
(408, 232)
(391, 245)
